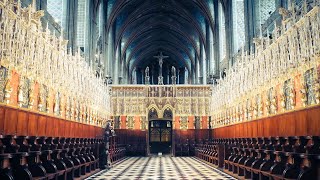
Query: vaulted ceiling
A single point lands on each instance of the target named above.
(143, 28)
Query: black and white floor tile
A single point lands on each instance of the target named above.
(166, 168)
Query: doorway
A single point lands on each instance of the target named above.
(160, 136)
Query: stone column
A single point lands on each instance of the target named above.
(70, 26)
(216, 39)
(186, 78)
(124, 74)
(203, 66)
(142, 76)
(210, 51)
(168, 74)
(198, 70)
(229, 34)
(116, 66)
(249, 20)
(193, 73)
(178, 74)
(110, 52)
(103, 34)
(91, 38)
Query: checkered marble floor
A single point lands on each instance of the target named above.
(166, 168)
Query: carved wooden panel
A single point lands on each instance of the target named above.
(33, 124)
(298, 123)
(50, 126)
(2, 114)
(22, 124)
(42, 121)
(10, 121)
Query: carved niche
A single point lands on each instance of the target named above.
(3, 80)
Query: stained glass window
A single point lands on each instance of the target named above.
(55, 8)
(222, 32)
(238, 24)
(263, 10)
(81, 22)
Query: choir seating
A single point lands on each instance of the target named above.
(34, 146)
(116, 151)
(31, 157)
(293, 157)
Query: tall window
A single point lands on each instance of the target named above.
(238, 24)
(55, 8)
(81, 29)
(263, 10)
(222, 32)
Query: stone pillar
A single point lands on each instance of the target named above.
(216, 39)
(178, 74)
(91, 38)
(103, 34)
(193, 73)
(70, 26)
(168, 74)
(186, 78)
(110, 52)
(124, 72)
(203, 66)
(152, 74)
(200, 69)
(116, 66)
(229, 29)
(142, 76)
(210, 51)
(249, 20)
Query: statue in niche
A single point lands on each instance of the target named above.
(316, 90)
(68, 108)
(147, 71)
(42, 106)
(303, 92)
(31, 95)
(21, 97)
(249, 110)
(308, 79)
(143, 123)
(273, 101)
(282, 98)
(240, 113)
(288, 95)
(258, 106)
(3, 80)
(48, 102)
(130, 122)
(184, 122)
(197, 122)
(57, 104)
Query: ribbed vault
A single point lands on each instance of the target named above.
(142, 28)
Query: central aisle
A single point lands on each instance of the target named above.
(166, 167)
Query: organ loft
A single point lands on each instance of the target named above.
(159, 89)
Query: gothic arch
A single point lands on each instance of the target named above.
(153, 112)
(166, 110)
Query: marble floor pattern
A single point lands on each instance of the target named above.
(166, 168)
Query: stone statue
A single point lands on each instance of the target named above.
(173, 70)
(147, 71)
(160, 58)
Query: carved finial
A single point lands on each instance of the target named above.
(69, 51)
(34, 5)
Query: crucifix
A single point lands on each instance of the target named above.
(160, 59)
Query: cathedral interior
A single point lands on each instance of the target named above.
(159, 89)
